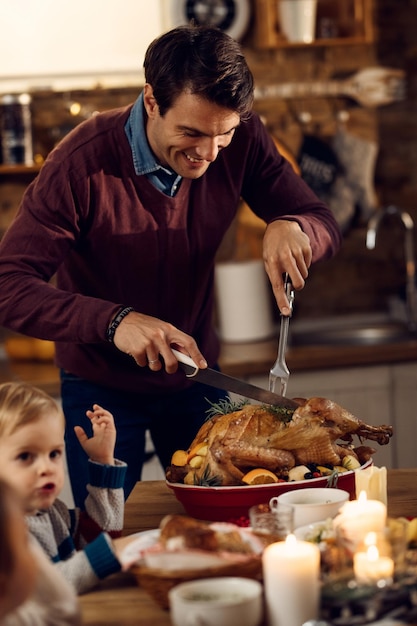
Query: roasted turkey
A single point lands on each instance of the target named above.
(318, 431)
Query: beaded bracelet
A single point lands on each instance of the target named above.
(114, 324)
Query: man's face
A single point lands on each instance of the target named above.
(32, 461)
(191, 134)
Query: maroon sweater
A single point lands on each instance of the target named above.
(114, 240)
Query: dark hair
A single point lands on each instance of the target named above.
(203, 60)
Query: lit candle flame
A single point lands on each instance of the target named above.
(370, 539)
(290, 541)
(362, 496)
(372, 554)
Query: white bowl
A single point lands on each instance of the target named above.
(213, 601)
(312, 505)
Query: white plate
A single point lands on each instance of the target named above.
(309, 532)
(142, 541)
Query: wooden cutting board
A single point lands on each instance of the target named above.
(369, 87)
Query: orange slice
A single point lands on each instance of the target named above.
(179, 458)
(259, 476)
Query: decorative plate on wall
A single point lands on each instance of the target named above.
(232, 16)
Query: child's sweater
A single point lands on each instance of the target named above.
(80, 542)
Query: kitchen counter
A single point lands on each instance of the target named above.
(245, 359)
(241, 360)
(44, 375)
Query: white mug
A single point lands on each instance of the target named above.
(310, 505)
(298, 19)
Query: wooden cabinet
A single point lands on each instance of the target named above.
(382, 394)
(404, 407)
(339, 22)
(364, 391)
(18, 170)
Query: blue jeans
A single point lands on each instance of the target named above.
(172, 419)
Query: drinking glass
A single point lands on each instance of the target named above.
(275, 523)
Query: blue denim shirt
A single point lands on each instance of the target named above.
(144, 160)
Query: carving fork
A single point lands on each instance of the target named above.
(279, 371)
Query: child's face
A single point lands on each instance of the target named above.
(32, 460)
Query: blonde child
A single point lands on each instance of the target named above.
(32, 592)
(83, 545)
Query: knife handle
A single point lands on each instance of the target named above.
(187, 360)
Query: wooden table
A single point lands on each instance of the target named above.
(119, 601)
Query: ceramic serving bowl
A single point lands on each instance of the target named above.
(212, 601)
(232, 503)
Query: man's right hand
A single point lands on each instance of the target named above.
(147, 338)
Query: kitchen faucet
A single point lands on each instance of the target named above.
(410, 267)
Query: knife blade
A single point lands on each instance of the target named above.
(217, 379)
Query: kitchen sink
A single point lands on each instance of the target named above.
(350, 330)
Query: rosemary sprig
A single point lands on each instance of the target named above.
(332, 479)
(284, 414)
(207, 479)
(224, 407)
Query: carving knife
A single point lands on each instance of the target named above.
(217, 379)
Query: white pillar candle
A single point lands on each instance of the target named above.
(372, 480)
(291, 572)
(359, 517)
(370, 568)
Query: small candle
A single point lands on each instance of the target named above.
(371, 568)
(291, 572)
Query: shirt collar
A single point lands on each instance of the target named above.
(144, 160)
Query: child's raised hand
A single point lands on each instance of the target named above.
(99, 447)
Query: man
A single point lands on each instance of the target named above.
(128, 211)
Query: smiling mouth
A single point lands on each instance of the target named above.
(192, 159)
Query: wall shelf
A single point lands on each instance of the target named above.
(19, 170)
(350, 19)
